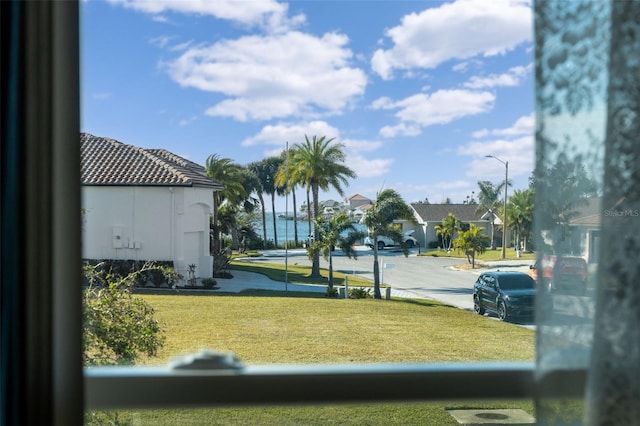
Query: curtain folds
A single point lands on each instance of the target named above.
(588, 202)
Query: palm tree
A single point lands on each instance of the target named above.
(239, 203)
(319, 164)
(470, 242)
(261, 172)
(490, 203)
(520, 214)
(271, 166)
(388, 207)
(228, 173)
(340, 232)
(447, 229)
(284, 178)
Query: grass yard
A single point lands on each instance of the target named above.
(488, 256)
(297, 273)
(268, 328)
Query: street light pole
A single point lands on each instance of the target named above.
(504, 212)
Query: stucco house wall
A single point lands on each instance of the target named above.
(141, 204)
(148, 223)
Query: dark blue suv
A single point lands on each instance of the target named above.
(507, 294)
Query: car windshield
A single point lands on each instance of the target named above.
(516, 282)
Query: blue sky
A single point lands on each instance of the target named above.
(419, 92)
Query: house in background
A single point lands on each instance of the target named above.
(429, 216)
(145, 204)
(585, 228)
(357, 200)
(356, 206)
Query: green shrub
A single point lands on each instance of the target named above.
(209, 282)
(360, 293)
(332, 292)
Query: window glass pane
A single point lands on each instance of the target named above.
(196, 117)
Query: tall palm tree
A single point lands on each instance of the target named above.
(340, 232)
(320, 165)
(520, 214)
(228, 173)
(271, 187)
(378, 219)
(261, 172)
(490, 203)
(284, 178)
(239, 203)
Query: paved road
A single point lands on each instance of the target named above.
(428, 277)
(435, 278)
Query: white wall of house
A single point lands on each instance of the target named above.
(148, 223)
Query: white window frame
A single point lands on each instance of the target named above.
(51, 254)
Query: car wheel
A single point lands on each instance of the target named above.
(477, 306)
(409, 243)
(502, 311)
(380, 245)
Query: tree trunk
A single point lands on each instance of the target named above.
(264, 221)
(330, 272)
(273, 209)
(295, 217)
(308, 212)
(315, 267)
(493, 241)
(376, 268)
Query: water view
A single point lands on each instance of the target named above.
(285, 228)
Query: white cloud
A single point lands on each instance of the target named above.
(160, 41)
(524, 125)
(268, 14)
(277, 136)
(281, 133)
(460, 30)
(518, 152)
(513, 77)
(368, 168)
(401, 129)
(275, 76)
(515, 144)
(440, 107)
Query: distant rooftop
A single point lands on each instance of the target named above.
(438, 212)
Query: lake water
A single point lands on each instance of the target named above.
(285, 228)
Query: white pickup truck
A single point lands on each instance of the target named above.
(384, 241)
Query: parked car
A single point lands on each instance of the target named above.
(507, 294)
(384, 241)
(560, 273)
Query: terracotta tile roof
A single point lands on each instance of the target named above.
(106, 161)
(437, 212)
(358, 197)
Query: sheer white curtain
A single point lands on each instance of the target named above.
(588, 202)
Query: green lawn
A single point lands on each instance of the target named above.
(270, 327)
(297, 273)
(488, 256)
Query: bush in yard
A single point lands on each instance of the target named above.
(118, 327)
(208, 282)
(360, 293)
